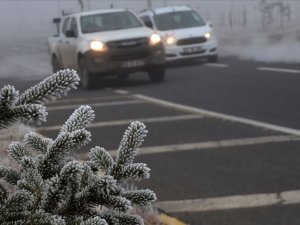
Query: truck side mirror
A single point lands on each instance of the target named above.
(149, 24)
(70, 33)
(209, 23)
(56, 20)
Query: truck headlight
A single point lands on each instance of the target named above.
(98, 46)
(154, 39)
(208, 35)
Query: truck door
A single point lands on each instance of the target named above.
(72, 46)
(63, 43)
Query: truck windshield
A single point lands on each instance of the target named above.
(178, 20)
(108, 21)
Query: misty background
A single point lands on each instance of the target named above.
(249, 29)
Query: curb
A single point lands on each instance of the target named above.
(167, 220)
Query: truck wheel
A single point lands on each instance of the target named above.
(85, 76)
(55, 64)
(212, 58)
(157, 73)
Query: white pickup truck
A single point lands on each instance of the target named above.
(106, 42)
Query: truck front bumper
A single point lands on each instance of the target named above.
(129, 61)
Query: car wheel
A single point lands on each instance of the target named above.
(85, 76)
(55, 64)
(157, 73)
(212, 58)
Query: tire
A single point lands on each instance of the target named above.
(212, 58)
(55, 64)
(157, 73)
(86, 80)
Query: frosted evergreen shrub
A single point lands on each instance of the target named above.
(50, 188)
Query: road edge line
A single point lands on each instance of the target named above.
(223, 116)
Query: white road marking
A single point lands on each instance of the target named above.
(38, 69)
(99, 104)
(216, 65)
(218, 144)
(85, 100)
(281, 70)
(231, 202)
(209, 144)
(128, 121)
(122, 92)
(42, 47)
(223, 116)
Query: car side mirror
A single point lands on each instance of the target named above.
(149, 24)
(70, 33)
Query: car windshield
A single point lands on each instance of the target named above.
(178, 20)
(109, 21)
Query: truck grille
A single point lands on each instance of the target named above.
(128, 49)
(191, 41)
(129, 55)
(128, 43)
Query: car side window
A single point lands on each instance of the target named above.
(73, 26)
(65, 25)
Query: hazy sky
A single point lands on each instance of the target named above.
(35, 16)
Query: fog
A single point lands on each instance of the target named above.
(266, 49)
(238, 24)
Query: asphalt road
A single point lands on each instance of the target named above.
(223, 141)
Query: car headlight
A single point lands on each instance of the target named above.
(98, 46)
(155, 39)
(170, 40)
(208, 35)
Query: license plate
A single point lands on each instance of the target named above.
(133, 63)
(193, 49)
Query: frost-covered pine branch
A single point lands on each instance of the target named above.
(52, 190)
(27, 107)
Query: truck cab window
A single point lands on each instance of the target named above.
(73, 27)
(65, 25)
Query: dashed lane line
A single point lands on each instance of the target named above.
(39, 69)
(223, 116)
(198, 146)
(216, 65)
(122, 92)
(128, 121)
(87, 100)
(41, 47)
(219, 144)
(231, 202)
(280, 70)
(99, 104)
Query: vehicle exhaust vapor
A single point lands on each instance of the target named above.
(265, 48)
